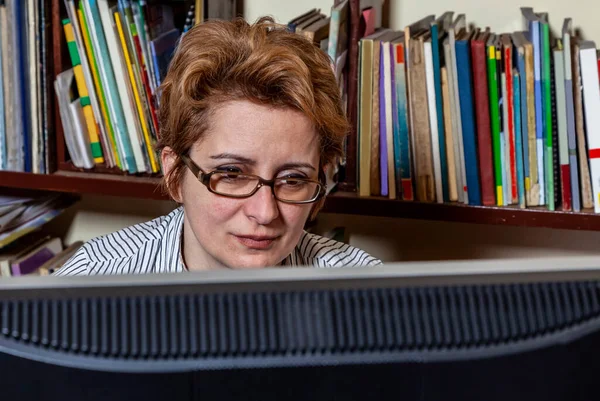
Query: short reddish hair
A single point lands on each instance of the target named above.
(219, 61)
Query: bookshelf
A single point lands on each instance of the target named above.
(111, 182)
(342, 202)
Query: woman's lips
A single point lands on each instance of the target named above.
(256, 242)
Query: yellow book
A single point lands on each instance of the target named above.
(99, 89)
(136, 95)
(83, 93)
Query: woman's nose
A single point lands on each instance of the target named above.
(262, 206)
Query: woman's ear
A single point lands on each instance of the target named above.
(169, 161)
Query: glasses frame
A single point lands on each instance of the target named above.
(204, 179)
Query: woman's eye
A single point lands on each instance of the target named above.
(229, 169)
(291, 176)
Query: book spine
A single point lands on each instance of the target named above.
(582, 154)
(495, 123)
(539, 116)
(351, 168)
(99, 89)
(433, 123)
(547, 113)
(563, 142)
(404, 135)
(435, 54)
(2, 124)
(98, 40)
(389, 119)
(31, 44)
(509, 126)
(452, 182)
(519, 140)
(571, 135)
(6, 82)
(468, 121)
(383, 151)
(86, 64)
(22, 139)
(457, 126)
(591, 102)
(482, 114)
(425, 184)
(375, 174)
(521, 75)
(334, 29)
(452, 123)
(364, 117)
(136, 94)
(30, 264)
(117, 63)
(506, 176)
(83, 92)
(395, 120)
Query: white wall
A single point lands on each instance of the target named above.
(391, 239)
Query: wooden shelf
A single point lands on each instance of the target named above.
(351, 203)
(337, 202)
(86, 183)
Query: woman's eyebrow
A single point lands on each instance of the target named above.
(232, 156)
(250, 162)
(292, 165)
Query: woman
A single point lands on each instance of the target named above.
(250, 117)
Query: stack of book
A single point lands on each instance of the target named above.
(20, 216)
(108, 100)
(336, 34)
(448, 113)
(120, 52)
(24, 246)
(26, 122)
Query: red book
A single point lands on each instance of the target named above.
(482, 115)
(510, 124)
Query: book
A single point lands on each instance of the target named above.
(33, 259)
(459, 24)
(520, 165)
(402, 142)
(467, 111)
(561, 114)
(479, 62)
(547, 111)
(570, 113)
(591, 95)
(534, 36)
(83, 92)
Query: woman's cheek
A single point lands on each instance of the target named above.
(294, 215)
(222, 208)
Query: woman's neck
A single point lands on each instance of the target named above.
(195, 258)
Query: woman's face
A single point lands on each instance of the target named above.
(258, 231)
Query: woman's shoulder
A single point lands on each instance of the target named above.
(128, 250)
(319, 251)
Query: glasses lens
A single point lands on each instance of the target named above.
(233, 184)
(296, 190)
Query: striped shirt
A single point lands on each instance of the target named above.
(155, 247)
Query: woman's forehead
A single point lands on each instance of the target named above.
(257, 131)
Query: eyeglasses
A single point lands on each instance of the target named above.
(240, 185)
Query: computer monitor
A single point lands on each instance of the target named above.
(477, 330)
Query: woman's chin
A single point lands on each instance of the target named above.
(254, 262)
